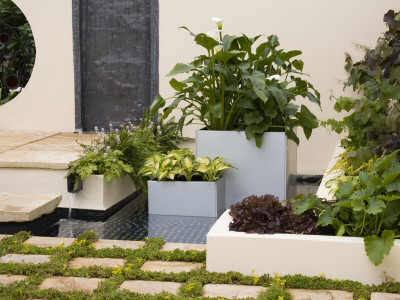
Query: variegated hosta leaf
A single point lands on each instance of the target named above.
(165, 163)
(187, 162)
(203, 160)
(202, 168)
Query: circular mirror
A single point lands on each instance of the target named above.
(17, 51)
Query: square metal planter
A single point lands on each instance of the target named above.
(271, 169)
(186, 198)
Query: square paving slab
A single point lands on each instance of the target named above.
(150, 287)
(26, 207)
(69, 284)
(41, 241)
(25, 259)
(14, 139)
(80, 262)
(183, 247)
(101, 244)
(300, 294)
(7, 279)
(231, 291)
(170, 266)
(385, 296)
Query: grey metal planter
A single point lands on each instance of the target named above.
(270, 169)
(186, 198)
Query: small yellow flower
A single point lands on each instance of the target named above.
(280, 298)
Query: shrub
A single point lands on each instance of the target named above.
(265, 214)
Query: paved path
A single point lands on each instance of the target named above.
(88, 285)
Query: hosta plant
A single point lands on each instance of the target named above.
(237, 86)
(181, 164)
(265, 214)
(368, 206)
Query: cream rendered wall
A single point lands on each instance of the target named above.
(47, 103)
(323, 29)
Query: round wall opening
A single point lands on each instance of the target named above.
(17, 51)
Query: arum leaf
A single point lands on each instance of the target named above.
(257, 78)
(216, 110)
(384, 163)
(253, 117)
(377, 247)
(206, 41)
(261, 94)
(279, 96)
(177, 85)
(158, 102)
(391, 174)
(180, 68)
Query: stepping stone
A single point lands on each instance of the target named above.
(170, 266)
(2, 236)
(26, 207)
(231, 291)
(150, 287)
(69, 284)
(101, 244)
(7, 279)
(300, 294)
(25, 259)
(80, 262)
(42, 241)
(385, 296)
(183, 247)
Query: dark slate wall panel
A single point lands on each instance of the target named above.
(119, 58)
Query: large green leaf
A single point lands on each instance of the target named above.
(224, 56)
(391, 174)
(375, 206)
(384, 163)
(227, 41)
(279, 95)
(207, 42)
(158, 102)
(290, 54)
(216, 110)
(377, 247)
(253, 117)
(177, 85)
(357, 204)
(344, 190)
(298, 64)
(273, 41)
(389, 198)
(261, 94)
(257, 78)
(180, 68)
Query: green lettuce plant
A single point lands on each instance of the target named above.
(237, 86)
(181, 164)
(368, 206)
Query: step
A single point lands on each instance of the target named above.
(26, 207)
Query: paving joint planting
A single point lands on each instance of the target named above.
(87, 266)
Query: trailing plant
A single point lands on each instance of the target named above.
(123, 150)
(236, 87)
(375, 118)
(368, 206)
(181, 164)
(265, 214)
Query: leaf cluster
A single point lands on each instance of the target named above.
(237, 87)
(375, 117)
(368, 206)
(124, 150)
(265, 214)
(181, 164)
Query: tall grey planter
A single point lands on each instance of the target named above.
(270, 169)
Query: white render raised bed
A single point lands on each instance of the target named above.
(310, 255)
(186, 198)
(270, 169)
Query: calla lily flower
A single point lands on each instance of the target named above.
(218, 21)
(218, 48)
(213, 33)
(276, 77)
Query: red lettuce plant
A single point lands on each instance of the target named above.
(265, 214)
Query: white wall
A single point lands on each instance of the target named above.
(47, 103)
(322, 29)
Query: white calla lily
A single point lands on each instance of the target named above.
(276, 77)
(218, 21)
(213, 33)
(218, 48)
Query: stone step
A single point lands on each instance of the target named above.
(26, 207)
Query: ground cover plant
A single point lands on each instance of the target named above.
(236, 87)
(113, 277)
(123, 150)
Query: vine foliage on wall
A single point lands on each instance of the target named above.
(17, 51)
